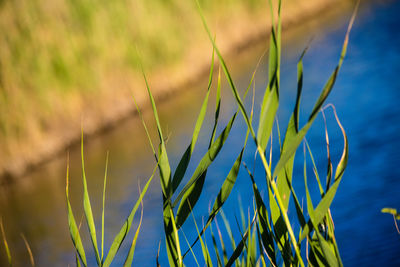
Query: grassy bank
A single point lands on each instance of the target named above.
(64, 62)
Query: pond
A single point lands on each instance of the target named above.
(365, 96)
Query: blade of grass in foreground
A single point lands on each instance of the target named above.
(73, 228)
(322, 244)
(323, 206)
(5, 243)
(264, 225)
(102, 211)
(28, 248)
(271, 96)
(88, 209)
(294, 142)
(129, 257)
(119, 238)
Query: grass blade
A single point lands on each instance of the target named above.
(88, 209)
(323, 206)
(294, 142)
(102, 211)
(73, 228)
(184, 161)
(5, 243)
(222, 195)
(271, 96)
(129, 257)
(119, 238)
(207, 159)
(28, 248)
(238, 250)
(264, 225)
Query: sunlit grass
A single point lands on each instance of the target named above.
(277, 241)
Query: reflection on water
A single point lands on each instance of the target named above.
(365, 97)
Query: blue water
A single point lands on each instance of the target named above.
(365, 97)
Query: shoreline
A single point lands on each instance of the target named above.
(163, 90)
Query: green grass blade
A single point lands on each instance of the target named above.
(325, 248)
(119, 238)
(102, 211)
(193, 191)
(129, 257)
(204, 248)
(88, 209)
(264, 225)
(5, 243)
(285, 176)
(222, 195)
(323, 206)
(73, 228)
(190, 249)
(271, 96)
(221, 241)
(294, 142)
(227, 74)
(217, 254)
(207, 159)
(175, 232)
(321, 190)
(163, 162)
(184, 161)
(239, 249)
(144, 126)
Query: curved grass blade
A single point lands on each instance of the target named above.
(88, 209)
(294, 142)
(5, 243)
(73, 228)
(323, 206)
(119, 238)
(28, 248)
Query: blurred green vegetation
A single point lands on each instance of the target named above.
(57, 57)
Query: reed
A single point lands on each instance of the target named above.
(269, 236)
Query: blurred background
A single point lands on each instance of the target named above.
(67, 63)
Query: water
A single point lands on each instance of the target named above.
(365, 97)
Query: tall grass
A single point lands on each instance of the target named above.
(102, 258)
(269, 236)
